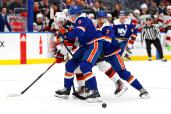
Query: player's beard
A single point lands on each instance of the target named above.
(101, 21)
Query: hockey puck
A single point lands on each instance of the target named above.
(104, 105)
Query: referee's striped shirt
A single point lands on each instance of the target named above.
(150, 33)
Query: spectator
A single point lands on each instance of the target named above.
(144, 9)
(3, 20)
(54, 7)
(167, 26)
(154, 9)
(15, 4)
(44, 4)
(97, 7)
(89, 3)
(69, 3)
(144, 14)
(36, 10)
(136, 14)
(116, 11)
(39, 25)
(162, 8)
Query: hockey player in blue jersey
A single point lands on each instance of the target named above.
(125, 32)
(101, 64)
(111, 55)
(91, 46)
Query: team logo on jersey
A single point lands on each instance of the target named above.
(79, 21)
(107, 31)
(122, 31)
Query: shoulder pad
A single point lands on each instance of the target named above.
(105, 24)
(116, 22)
(127, 21)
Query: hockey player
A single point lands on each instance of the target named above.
(111, 55)
(62, 54)
(91, 45)
(101, 64)
(125, 32)
(60, 29)
(104, 27)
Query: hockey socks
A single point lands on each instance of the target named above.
(108, 70)
(134, 83)
(90, 81)
(80, 79)
(111, 74)
(68, 80)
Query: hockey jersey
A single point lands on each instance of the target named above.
(84, 31)
(109, 47)
(123, 31)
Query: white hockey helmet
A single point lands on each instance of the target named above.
(39, 15)
(91, 16)
(65, 11)
(60, 16)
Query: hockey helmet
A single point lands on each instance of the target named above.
(75, 9)
(102, 14)
(60, 16)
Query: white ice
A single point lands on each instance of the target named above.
(155, 76)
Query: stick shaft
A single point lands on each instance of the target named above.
(37, 78)
(73, 87)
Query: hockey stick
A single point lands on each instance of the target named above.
(21, 93)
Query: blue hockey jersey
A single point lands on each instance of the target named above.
(109, 47)
(124, 31)
(84, 31)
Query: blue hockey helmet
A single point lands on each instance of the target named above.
(74, 10)
(122, 13)
(102, 14)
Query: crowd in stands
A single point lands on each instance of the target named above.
(44, 10)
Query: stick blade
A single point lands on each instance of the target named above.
(14, 95)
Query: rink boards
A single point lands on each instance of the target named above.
(35, 48)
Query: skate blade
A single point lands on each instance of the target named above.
(62, 96)
(75, 97)
(146, 96)
(122, 91)
(84, 95)
(94, 100)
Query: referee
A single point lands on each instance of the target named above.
(151, 34)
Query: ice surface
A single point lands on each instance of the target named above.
(155, 76)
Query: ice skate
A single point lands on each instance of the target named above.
(150, 59)
(94, 97)
(164, 60)
(62, 93)
(144, 94)
(81, 91)
(120, 88)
